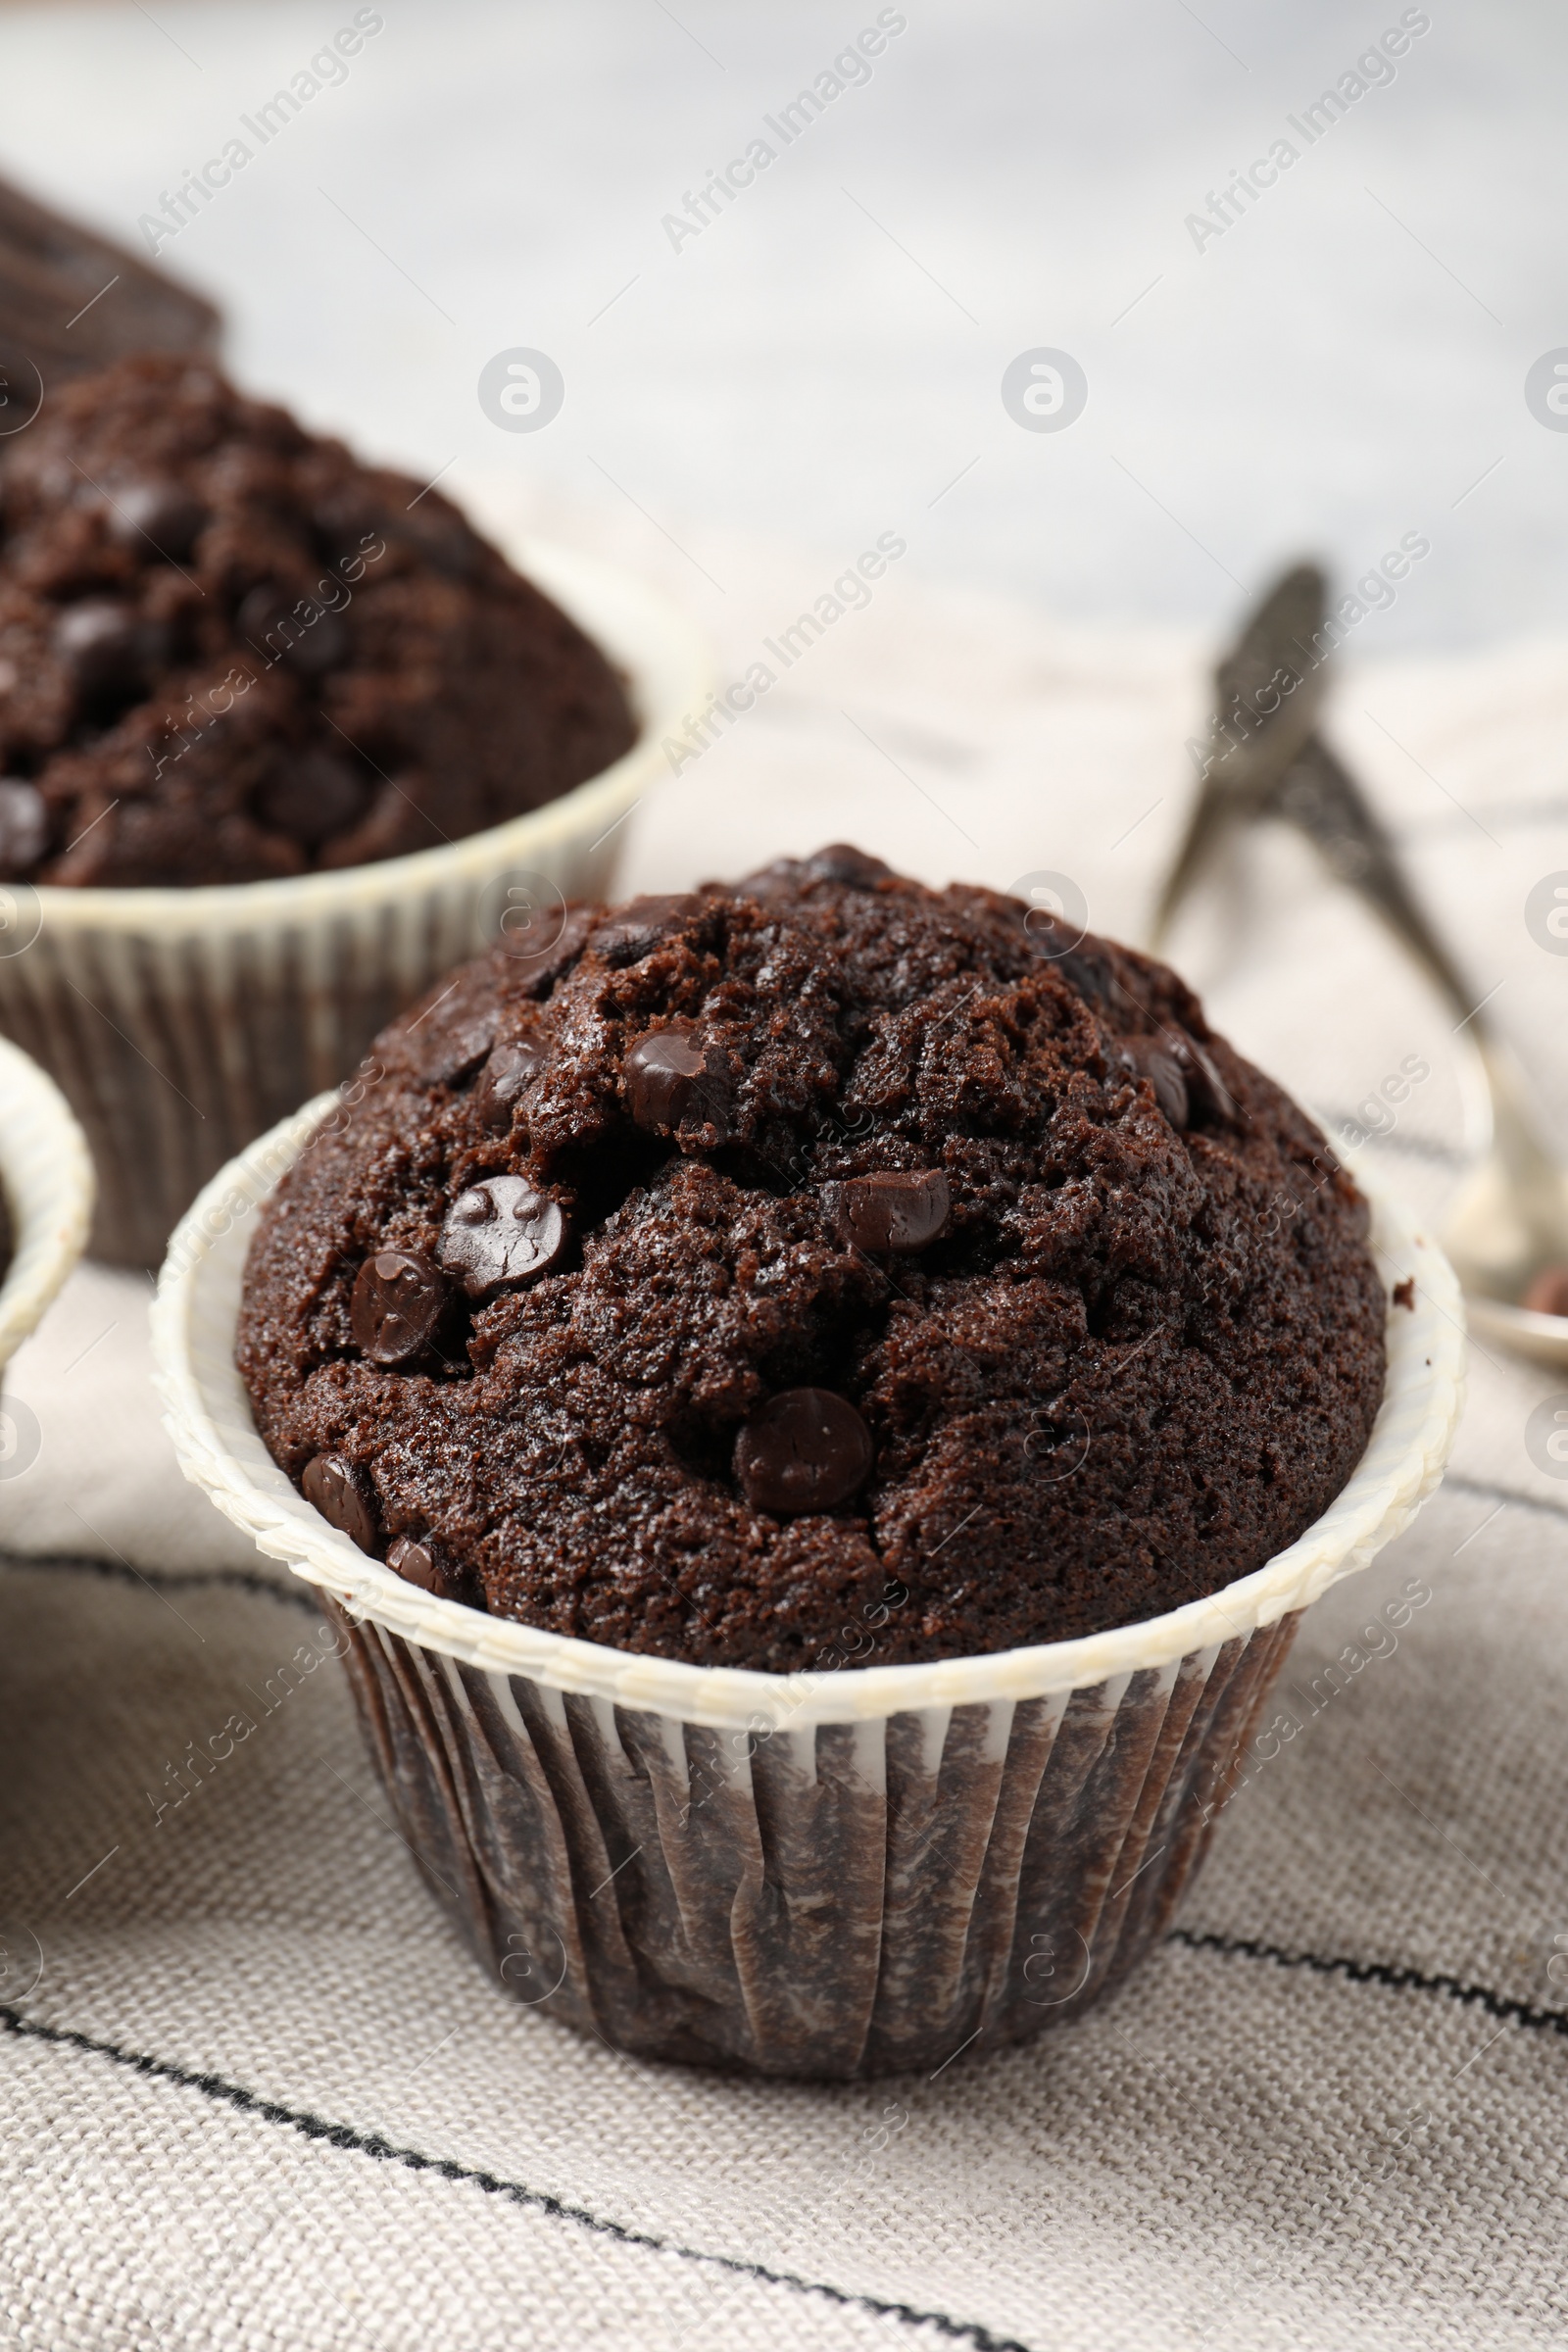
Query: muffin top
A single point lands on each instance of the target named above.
(230, 652)
(815, 1270)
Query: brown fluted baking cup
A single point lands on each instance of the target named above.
(825, 1873)
(850, 1900)
(181, 1023)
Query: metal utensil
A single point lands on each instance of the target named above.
(1509, 1222)
(1267, 695)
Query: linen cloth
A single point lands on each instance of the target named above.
(256, 2093)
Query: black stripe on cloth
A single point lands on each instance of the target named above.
(1483, 1486)
(1379, 1972)
(386, 2151)
(120, 1572)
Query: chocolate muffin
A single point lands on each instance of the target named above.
(230, 652)
(813, 1254)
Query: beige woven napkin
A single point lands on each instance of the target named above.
(256, 2091)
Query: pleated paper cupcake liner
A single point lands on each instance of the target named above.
(181, 1023)
(849, 1899)
(46, 1179)
(829, 1874)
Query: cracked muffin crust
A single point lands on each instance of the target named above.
(818, 1266)
(231, 651)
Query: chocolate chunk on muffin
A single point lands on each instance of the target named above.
(811, 1253)
(229, 651)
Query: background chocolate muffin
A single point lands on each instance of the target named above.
(230, 652)
(819, 1253)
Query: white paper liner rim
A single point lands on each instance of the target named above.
(209, 1419)
(47, 1175)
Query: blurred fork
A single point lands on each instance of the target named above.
(1507, 1229)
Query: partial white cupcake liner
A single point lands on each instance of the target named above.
(825, 1874)
(46, 1177)
(181, 1023)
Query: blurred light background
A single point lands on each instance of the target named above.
(1344, 363)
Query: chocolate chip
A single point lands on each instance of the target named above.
(313, 795)
(509, 1071)
(806, 1451)
(1056, 940)
(841, 861)
(24, 825)
(443, 540)
(674, 1081)
(326, 646)
(343, 520)
(1208, 1097)
(542, 961)
(660, 1070)
(892, 1212)
(450, 1051)
(420, 1560)
(636, 929)
(783, 879)
(501, 1232)
(1548, 1294)
(102, 645)
(397, 1303)
(1152, 1060)
(1088, 973)
(163, 642)
(342, 1495)
(272, 627)
(157, 519)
